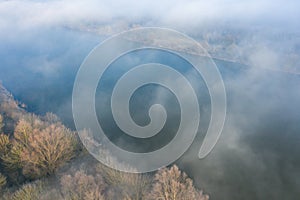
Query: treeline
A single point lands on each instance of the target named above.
(42, 159)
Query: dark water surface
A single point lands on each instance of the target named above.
(257, 156)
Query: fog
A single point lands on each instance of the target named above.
(28, 14)
(43, 44)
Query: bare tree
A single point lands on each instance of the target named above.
(123, 185)
(172, 184)
(82, 186)
(39, 148)
(29, 191)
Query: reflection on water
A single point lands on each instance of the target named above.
(257, 155)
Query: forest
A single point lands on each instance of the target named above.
(41, 159)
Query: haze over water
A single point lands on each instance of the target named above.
(257, 156)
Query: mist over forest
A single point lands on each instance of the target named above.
(255, 45)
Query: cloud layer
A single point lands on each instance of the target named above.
(26, 14)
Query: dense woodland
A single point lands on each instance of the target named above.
(42, 159)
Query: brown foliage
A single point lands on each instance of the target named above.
(29, 191)
(39, 148)
(81, 186)
(10, 109)
(51, 118)
(172, 184)
(47, 149)
(1, 123)
(126, 186)
(2, 182)
(4, 144)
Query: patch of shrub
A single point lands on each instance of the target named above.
(2, 182)
(51, 118)
(82, 186)
(29, 191)
(1, 123)
(123, 185)
(38, 147)
(5, 144)
(172, 184)
(47, 150)
(11, 113)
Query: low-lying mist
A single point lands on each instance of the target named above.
(257, 156)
